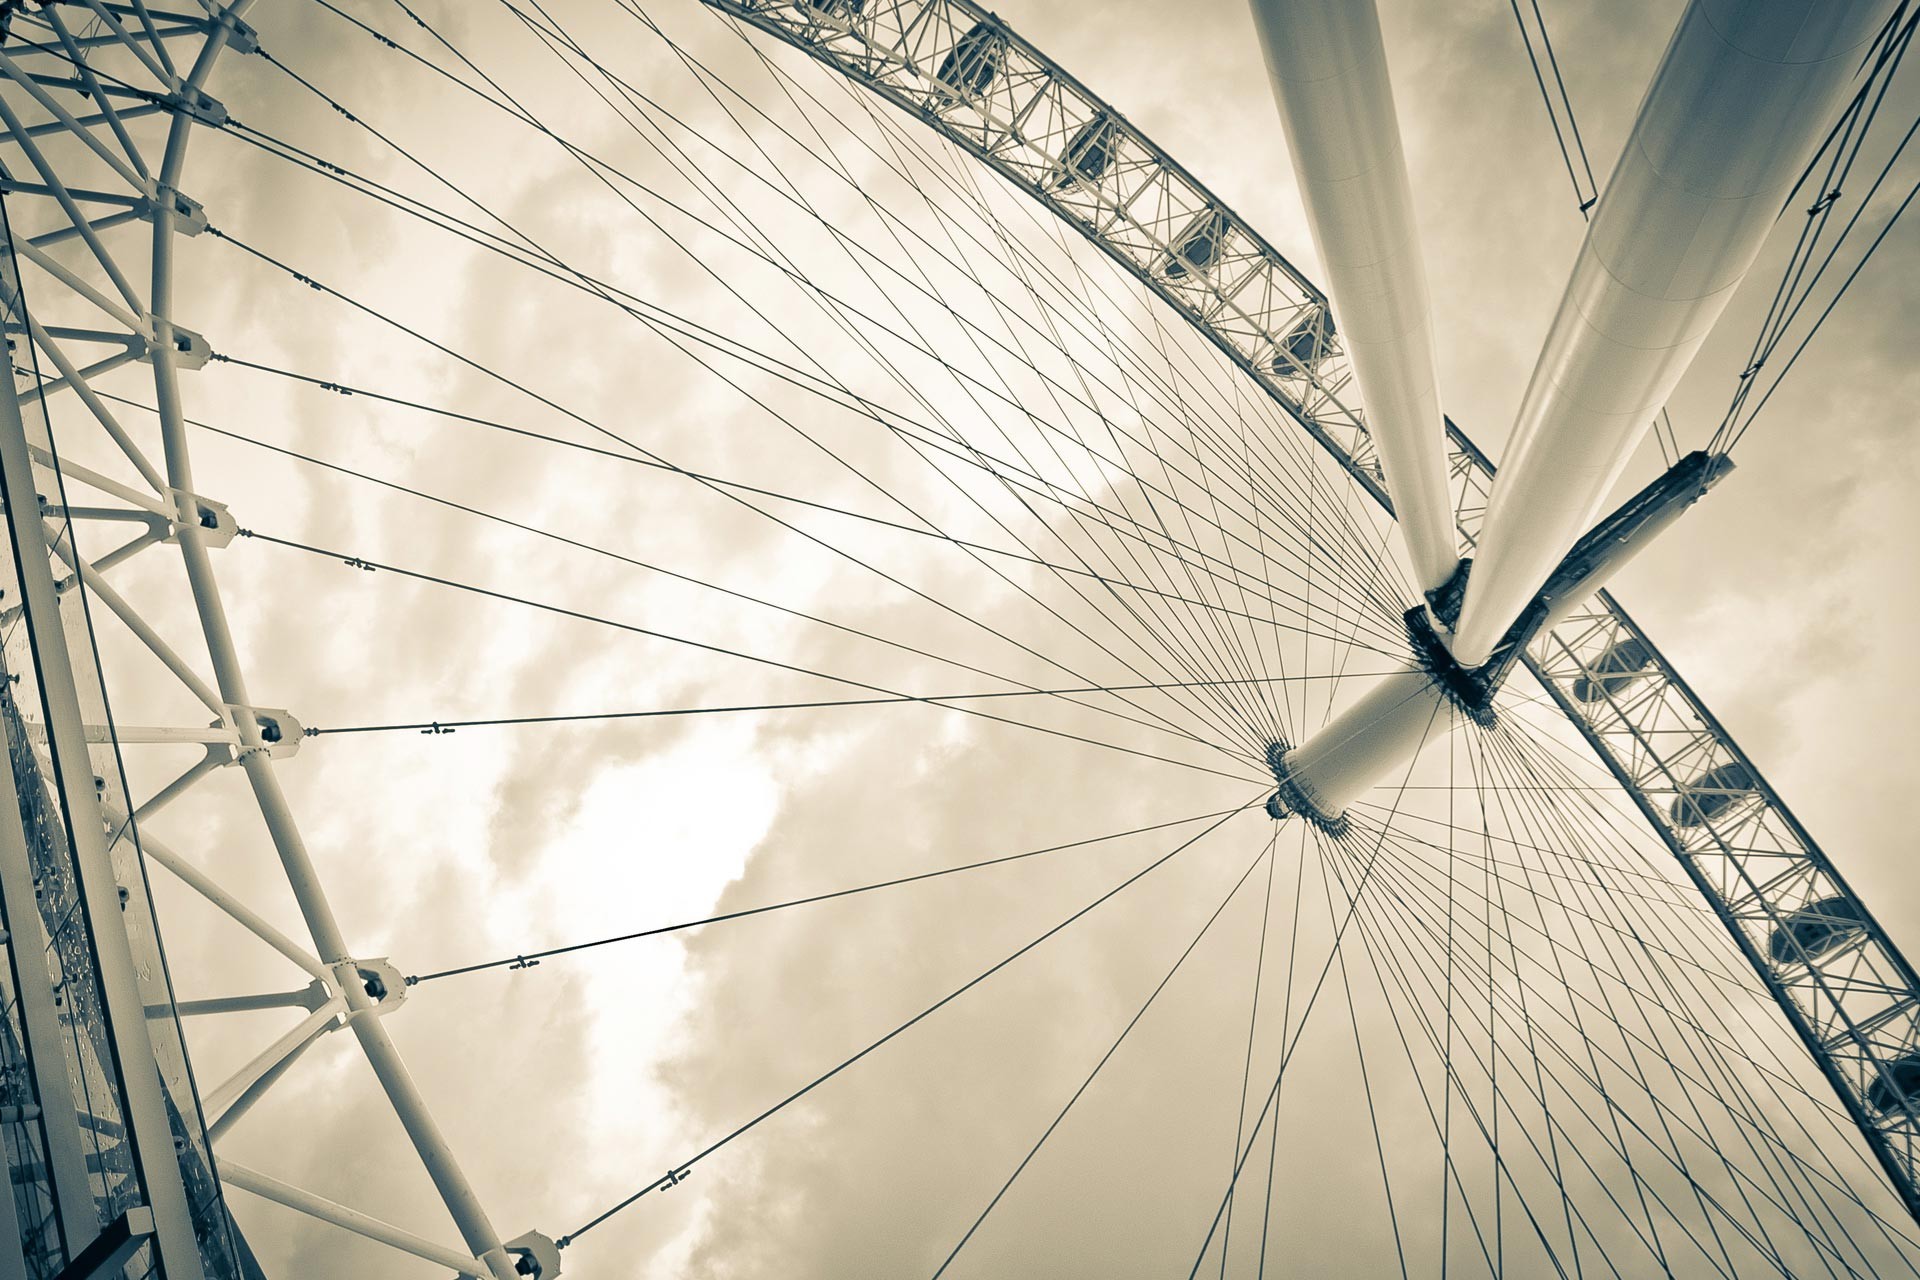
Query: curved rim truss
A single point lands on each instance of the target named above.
(1851, 996)
(99, 99)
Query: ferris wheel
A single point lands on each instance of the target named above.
(875, 682)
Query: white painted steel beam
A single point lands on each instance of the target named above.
(1329, 73)
(1743, 92)
(363, 1224)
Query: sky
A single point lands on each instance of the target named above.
(1785, 598)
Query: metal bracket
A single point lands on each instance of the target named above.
(190, 350)
(280, 733)
(189, 217)
(535, 1255)
(241, 38)
(203, 107)
(380, 979)
(216, 524)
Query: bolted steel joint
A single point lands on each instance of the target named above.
(535, 1255)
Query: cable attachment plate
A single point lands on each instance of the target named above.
(535, 1255)
(190, 350)
(279, 733)
(189, 217)
(384, 984)
(202, 107)
(241, 38)
(215, 523)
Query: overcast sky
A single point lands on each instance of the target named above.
(1787, 598)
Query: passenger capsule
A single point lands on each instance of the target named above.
(1895, 1082)
(1712, 794)
(1618, 666)
(972, 64)
(1815, 929)
(1304, 344)
(1197, 250)
(1088, 155)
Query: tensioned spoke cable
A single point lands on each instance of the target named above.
(727, 156)
(1286, 1016)
(735, 497)
(1378, 931)
(722, 152)
(598, 288)
(1437, 914)
(1773, 1074)
(349, 300)
(1013, 337)
(361, 562)
(1064, 694)
(1366, 1082)
(1434, 931)
(603, 293)
(968, 189)
(915, 1020)
(1699, 1087)
(1253, 1025)
(704, 478)
(450, 724)
(528, 959)
(743, 227)
(1383, 961)
(1289, 1048)
(1105, 1058)
(1429, 926)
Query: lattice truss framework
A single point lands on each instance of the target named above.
(98, 101)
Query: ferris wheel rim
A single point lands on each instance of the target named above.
(180, 478)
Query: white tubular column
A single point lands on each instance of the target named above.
(1744, 90)
(1329, 72)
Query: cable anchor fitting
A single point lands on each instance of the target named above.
(277, 732)
(535, 1255)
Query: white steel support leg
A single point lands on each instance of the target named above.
(1329, 73)
(1740, 97)
(448, 1178)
